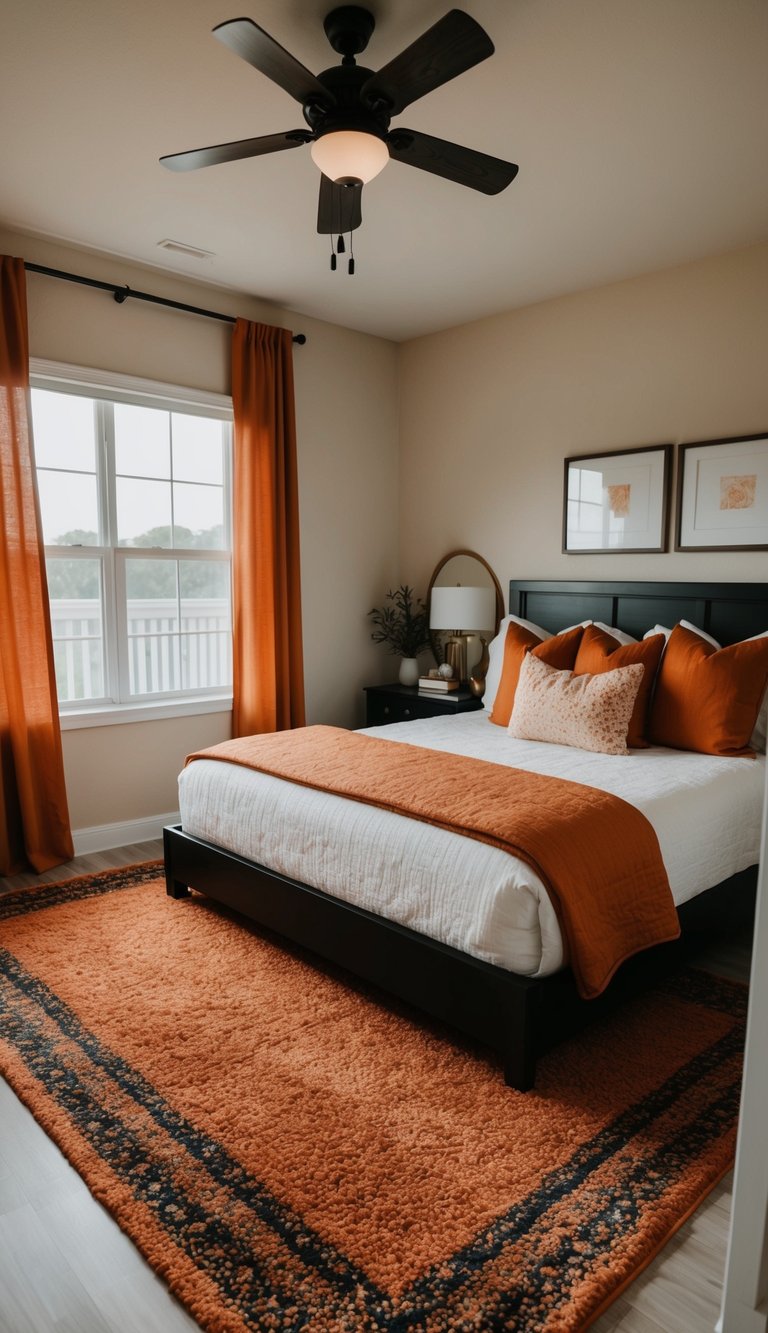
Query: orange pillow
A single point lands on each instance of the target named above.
(559, 652)
(600, 652)
(707, 698)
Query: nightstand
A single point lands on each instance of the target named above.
(403, 703)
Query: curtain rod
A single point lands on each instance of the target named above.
(121, 294)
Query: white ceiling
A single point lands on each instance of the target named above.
(640, 128)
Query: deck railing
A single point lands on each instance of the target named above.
(165, 653)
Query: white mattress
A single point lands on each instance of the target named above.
(706, 812)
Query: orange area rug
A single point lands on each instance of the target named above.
(291, 1151)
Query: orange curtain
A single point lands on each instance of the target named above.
(268, 668)
(34, 825)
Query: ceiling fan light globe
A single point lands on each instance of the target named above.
(350, 157)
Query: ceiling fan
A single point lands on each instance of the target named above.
(348, 109)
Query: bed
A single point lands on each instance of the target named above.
(518, 1000)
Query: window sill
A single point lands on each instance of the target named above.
(149, 711)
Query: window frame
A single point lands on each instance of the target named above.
(108, 386)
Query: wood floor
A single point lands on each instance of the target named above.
(65, 1267)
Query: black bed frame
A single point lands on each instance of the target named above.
(518, 1016)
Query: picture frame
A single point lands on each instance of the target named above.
(722, 495)
(618, 501)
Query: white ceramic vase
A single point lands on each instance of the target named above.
(409, 671)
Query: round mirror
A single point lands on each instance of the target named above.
(467, 573)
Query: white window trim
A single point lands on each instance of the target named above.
(101, 383)
(64, 377)
(108, 715)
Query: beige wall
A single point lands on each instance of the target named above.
(490, 410)
(346, 405)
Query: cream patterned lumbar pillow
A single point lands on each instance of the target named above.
(588, 712)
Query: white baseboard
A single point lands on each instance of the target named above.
(102, 837)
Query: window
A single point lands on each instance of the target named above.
(135, 505)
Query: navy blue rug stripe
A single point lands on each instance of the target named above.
(21, 901)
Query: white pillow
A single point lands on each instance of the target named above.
(759, 738)
(588, 712)
(686, 624)
(496, 655)
(617, 634)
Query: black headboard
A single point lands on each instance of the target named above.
(728, 611)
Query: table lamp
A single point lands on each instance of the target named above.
(463, 611)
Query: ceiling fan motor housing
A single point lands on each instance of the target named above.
(347, 111)
(348, 29)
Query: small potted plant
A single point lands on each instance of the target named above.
(404, 627)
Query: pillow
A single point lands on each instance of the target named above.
(598, 652)
(589, 712)
(708, 698)
(759, 738)
(686, 624)
(617, 634)
(559, 651)
(496, 654)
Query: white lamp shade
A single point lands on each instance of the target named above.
(345, 155)
(460, 608)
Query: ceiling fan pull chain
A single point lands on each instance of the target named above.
(333, 256)
(340, 246)
(351, 265)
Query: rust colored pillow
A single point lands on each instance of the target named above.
(599, 652)
(707, 699)
(559, 652)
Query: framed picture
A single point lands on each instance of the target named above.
(722, 495)
(617, 501)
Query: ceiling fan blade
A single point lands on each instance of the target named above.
(253, 44)
(232, 152)
(464, 165)
(452, 45)
(339, 207)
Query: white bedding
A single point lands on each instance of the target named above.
(706, 812)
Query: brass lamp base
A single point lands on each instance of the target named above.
(456, 656)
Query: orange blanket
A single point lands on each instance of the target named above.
(597, 855)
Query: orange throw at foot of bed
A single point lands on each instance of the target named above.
(597, 855)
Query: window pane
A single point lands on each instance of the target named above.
(206, 620)
(204, 582)
(198, 516)
(151, 592)
(69, 508)
(63, 426)
(143, 512)
(152, 609)
(206, 640)
(206, 661)
(74, 588)
(142, 441)
(197, 449)
(153, 664)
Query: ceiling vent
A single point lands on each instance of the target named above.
(181, 248)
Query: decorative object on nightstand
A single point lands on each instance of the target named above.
(464, 611)
(440, 680)
(404, 628)
(479, 671)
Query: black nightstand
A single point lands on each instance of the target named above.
(403, 703)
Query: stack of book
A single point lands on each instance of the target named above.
(437, 684)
